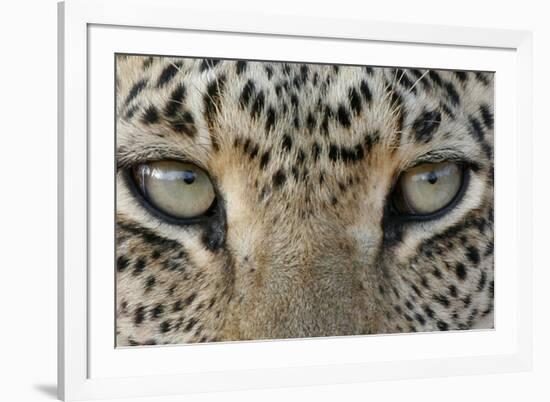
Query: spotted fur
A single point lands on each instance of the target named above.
(304, 158)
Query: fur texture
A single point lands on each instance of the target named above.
(304, 158)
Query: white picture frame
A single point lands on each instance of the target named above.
(91, 368)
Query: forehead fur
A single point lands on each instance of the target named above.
(304, 157)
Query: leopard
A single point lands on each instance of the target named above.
(311, 168)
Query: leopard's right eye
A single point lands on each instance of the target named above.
(176, 189)
(428, 188)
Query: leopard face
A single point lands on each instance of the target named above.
(304, 237)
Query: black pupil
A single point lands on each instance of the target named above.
(189, 177)
(432, 178)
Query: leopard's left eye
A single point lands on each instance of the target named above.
(428, 188)
(175, 189)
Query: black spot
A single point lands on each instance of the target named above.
(279, 178)
(184, 123)
(165, 326)
(150, 283)
(416, 72)
(437, 273)
(355, 101)
(121, 263)
(405, 82)
(150, 116)
(130, 112)
(241, 66)
(482, 78)
(212, 103)
(139, 266)
(442, 325)
(334, 153)
(324, 124)
(315, 151)
(473, 255)
(359, 153)
(295, 173)
(269, 71)
(429, 312)
(343, 116)
(249, 89)
(482, 281)
(304, 71)
(301, 156)
(175, 102)
(453, 291)
(178, 306)
(147, 63)
(296, 122)
(136, 89)
(270, 120)
(461, 75)
(208, 64)
(396, 103)
(258, 105)
(190, 324)
(246, 145)
(365, 91)
(264, 160)
(460, 270)
(447, 110)
(294, 101)
(139, 315)
(421, 77)
(286, 69)
(157, 311)
(311, 122)
(420, 318)
(416, 290)
(254, 151)
(424, 282)
(490, 249)
(435, 78)
(190, 299)
(442, 299)
(287, 143)
(168, 73)
(486, 116)
(425, 125)
(452, 94)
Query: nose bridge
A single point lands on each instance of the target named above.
(301, 279)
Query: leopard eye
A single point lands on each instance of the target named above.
(428, 188)
(179, 190)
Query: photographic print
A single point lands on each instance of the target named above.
(261, 200)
